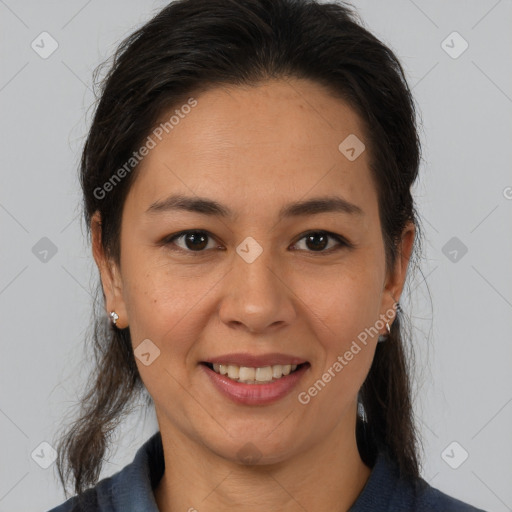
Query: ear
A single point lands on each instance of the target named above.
(396, 276)
(110, 275)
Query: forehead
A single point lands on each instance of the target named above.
(252, 146)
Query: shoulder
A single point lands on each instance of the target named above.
(101, 497)
(105, 496)
(87, 502)
(387, 491)
(422, 497)
(131, 488)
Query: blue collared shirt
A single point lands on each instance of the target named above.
(131, 489)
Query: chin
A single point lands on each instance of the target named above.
(257, 448)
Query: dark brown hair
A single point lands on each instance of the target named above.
(193, 45)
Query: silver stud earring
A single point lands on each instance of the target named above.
(384, 337)
(114, 317)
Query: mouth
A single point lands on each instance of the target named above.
(255, 385)
(254, 375)
(254, 379)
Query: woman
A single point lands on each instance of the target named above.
(247, 184)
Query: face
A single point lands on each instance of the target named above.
(262, 279)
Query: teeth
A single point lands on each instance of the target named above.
(233, 371)
(277, 371)
(245, 373)
(263, 374)
(254, 375)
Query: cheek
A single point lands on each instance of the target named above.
(167, 310)
(159, 306)
(346, 307)
(347, 301)
(166, 304)
(347, 310)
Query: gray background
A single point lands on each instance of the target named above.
(463, 381)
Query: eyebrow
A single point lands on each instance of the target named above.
(210, 207)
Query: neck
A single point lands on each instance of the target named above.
(195, 478)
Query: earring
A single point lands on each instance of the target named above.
(114, 317)
(384, 337)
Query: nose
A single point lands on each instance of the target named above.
(257, 293)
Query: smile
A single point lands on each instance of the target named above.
(249, 375)
(260, 385)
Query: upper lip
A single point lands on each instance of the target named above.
(254, 361)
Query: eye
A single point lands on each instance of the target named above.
(192, 241)
(196, 241)
(318, 241)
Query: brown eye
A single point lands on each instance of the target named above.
(317, 241)
(192, 241)
(195, 241)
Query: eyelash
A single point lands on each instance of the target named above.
(169, 240)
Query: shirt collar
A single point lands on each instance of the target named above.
(132, 488)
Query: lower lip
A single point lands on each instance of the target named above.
(255, 394)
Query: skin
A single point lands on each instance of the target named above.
(254, 150)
